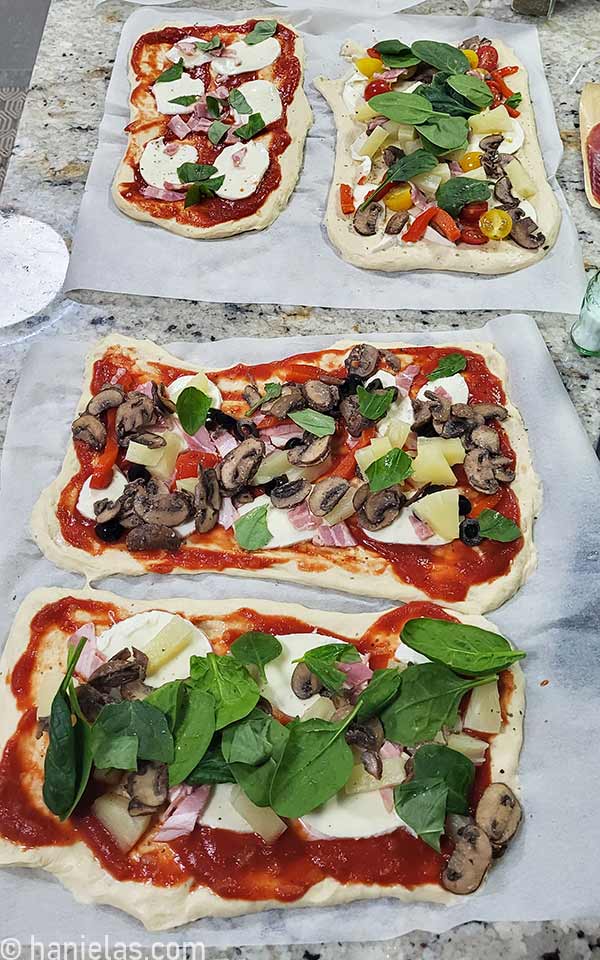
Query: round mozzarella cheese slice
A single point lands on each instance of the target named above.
(351, 816)
(88, 496)
(243, 167)
(528, 209)
(513, 139)
(210, 388)
(277, 688)
(455, 386)
(166, 92)
(283, 532)
(191, 58)
(401, 409)
(156, 166)
(220, 814)
(401, 530)
(353, 92)
(263, 97)
(243, 57)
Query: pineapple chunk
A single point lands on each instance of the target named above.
(322, 709)
(201, 382)
(364, 112)
(483, 713)
(471, 747)
(343, 509)
(397, 431)
(451, 449)
(111, 810)
(406, 133)
(430, 465)
(164, 468)
(376, 449)
(168, 643)
(521, 182)
(187, 483)
(263, 820)
(362, 782)
(275, 465)
(427, 182)
(374, 142)
(139, 453)
(491, 121)
(440, 511)
(477, 174)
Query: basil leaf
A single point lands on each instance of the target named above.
(185, 101)
(373, 405)
(272, 391)
(421, 161)
(383, 687)
(60, 764)
(238, 101)
(256, 781)
(248, 130)
(429, 699)
(402, 107)
(130, 731)
(458, 191)
(448, 365)
(396, 54)
(495, 526)
(251, 530)
(421, 804)
(319, 424)
(256, 648)
(200, 191)
(213, 107)
(445, 133)
(206, 45)
(322, 662)
(435, 761)
(246, 742)
(394, 467)
(234, 691)
(192, 409)
(217, 131)
(459, 646)
(172, 73)
(442, 56)
(211, 769)
(169, 700)
(192, 734)
(514, 100)
(262, 31)
(193, 172)
(472, 89)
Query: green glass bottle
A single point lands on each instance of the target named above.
(585, 332)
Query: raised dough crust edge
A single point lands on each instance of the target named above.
(495, 258)
(299, 117)
(482, 597)
(163, 908)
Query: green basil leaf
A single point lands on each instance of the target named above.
(396, 55)
(169, 700)
(402, 107)
(256, 781)
(272, 391)
(192, 734)
(421, 161)
(460, 647)
(60, 764)
(514, 100)
(458, 191)
(130, 731)
(322, 662)
(213, 107)
(200, 191)
(382, 688)
(251, 530)
(173, 73)
(495, 526)
(192, 409)
(442, 56)
(445, 133)
(206, 45)
(472, 89)
(195, 172)
(448, 365)
(212, 768)
(421, 804)
(185, 101)
(394, 467)
(256, 648)
(248, 130)
(217, 131)
(234, 691)
(247, 742)
(438, 762)
(429, 699)
(262, 31)
(319, 424)
(238, 101)
(373, 405)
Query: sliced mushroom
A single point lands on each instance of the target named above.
(479, 470)
(368, 735)
(239, 466)
(109, 396)
(305, 684)
(491, 143)
(467, 413)
(245, 428)
(136, 690)
(486, 438)
(360, 496)
(440, 409)
(105, 510)
(353, 418)
(207, 500)
(89, 430)
(310, 453)
(469, 862)
(287, 495)
(503, 193)
(366, 220)
(326, 494)
(503, 469)
(396, 223)
(380, 509)
(291, 398)
(127, 515)
(154, 505)
(320, 396)
(90, 701)
(526, 233)
(392, 360)
(114, 673)
(454, 427)
(362, 361)
(392, 154)
(148, 788)
(499, 813)
(153, 536)
(251, 394)
(489, 411)
(494, 163)
(162, 401)
(154, 441)
(421, 414)
(135, 413)
(372, 763)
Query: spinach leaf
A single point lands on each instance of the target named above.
(435, 761)
(322, 662)
(83, 748)
(402, 107)
(459, 646)
(207, 45)
(169, 700)
(247, 742)
(192, 734)
(195, 172)
(254, 125)
(129, 731)
(234, 691)
(213, 107)
(383, 687)
(394, 467)
(458, 191)
(60, 765)
(429, 699)
(256, 781)
(217, 131)
(272, 391)
(421, 161)
(495, 526)
(472, 89)
(262, 30)
(185, 101)
(514, 100)
(442, 56)
(444, 99)
(239, 102)
(445, 133)
(256, 648)
(319, 424)
(212, 768)
(373, 405)
(396, 55)
(421, 804)
(192, 409)
(173, 73)
(251, 530)
(448, 365)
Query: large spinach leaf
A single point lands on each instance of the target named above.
(396, 55)
(256, 781)
(402, 107)
(247, 741)
(234, 691)
(322, 662)
(169, 700)
(458, 191)
(192, 733)
(130, 731)
(256, 648)
(442, 56)
(461, 647)
(383, 687)
(213, 767)
(445, 133)
(421, 804)
(436, 761)
(472, 89)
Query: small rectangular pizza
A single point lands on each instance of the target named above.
(395, 471)
(219, 118)
(184, 759)
(438, 164)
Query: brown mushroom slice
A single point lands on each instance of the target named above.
(137, 690)
(380, 509)
(489, 411)
(153, 536)
(360, 496)
(106, 510)
(468, 413)
(526, 233)
(305, 684)
(392, 154)
(90, 701)
(503, 469)
(503, 193)
(90, 431)
(469, 862)
(327, 494)
(362, 361)
(287, 495)
(499, 814)
(396, 223)
(491, 142)
(148, 788)
(486, 438)
(368, 735)
(308, 454)
(353, 418)
(479, 470)
(109, 396)
(169, 509)
(372, 763)
(323, 397)
(366, 219)
(421, 414)
(454, 427)
(207, 500)
(252, 395)
(154, 441)
(135, 413)
(440, 409)
(290, 399)
(239, 466)
(114, 673)
(162, 401)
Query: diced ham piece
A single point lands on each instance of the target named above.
(181, 187)
(121, 371)
(179, 127)
(404, 380)
(171, 148)
(200, 110)
(387, 795)
(231, 137)
(224, 442)
(390, 750)
(302, 519)
(199, 124)
(227, 514)
(221, 92)
(422, 529)
(442, 393)
(201, 441)
(455, 168)
(357, 674)
(182, 814)
(397, 73)
(280, 434)
(145, 388)
(90, 657)
(376, 122)
(336, 536)
(156, 193)
(186, 46)
(411, 442)
(419, 199)
(237, 158)
(593, 159)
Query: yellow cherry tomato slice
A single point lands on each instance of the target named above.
(471, 161)
(399, 198)
(368, 66)
(472, 58)
(495, 224)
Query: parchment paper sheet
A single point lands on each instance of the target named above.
(352, 6)
(292, 261)
(551, 869)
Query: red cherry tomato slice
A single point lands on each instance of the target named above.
(375, 87)
(471, 212)
(372, 52)
(472, 236)
(488, 57)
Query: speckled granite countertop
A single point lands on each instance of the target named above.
(54, 147)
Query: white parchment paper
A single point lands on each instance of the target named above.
(550, 871)
(292, 262)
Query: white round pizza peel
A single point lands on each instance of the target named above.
(33, 264)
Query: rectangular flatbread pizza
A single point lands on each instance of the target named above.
(219, 118)
(438, 164)
(183, 759)
(396, 471)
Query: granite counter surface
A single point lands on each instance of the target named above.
(45, 180)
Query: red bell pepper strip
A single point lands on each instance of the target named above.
(446, 225)
(346, 198)
(102, 472)
(505, 72)
(419, 225)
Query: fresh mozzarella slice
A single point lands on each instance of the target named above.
(401, 530)
(277, 688)
(528, 209)
(89, 496)
(243, 166)
(187, 528)
(513, 139)
(246, 58)
(203, 384)
(169, 90)
(407, 655)
(401, 409)
(356, 147)
(455, 386)
(263, 97)
(434, 237)
(360, 192)
(220, 814)
(353, 91)
(156, 166)
(194, 59)
(283, 533)
(352, 815)
(140, 629)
